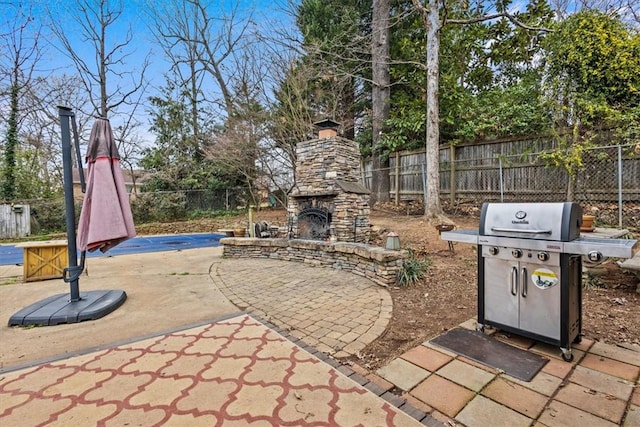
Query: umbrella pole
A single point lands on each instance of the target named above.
(65, 114)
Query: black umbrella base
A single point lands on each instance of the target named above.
(58, 309)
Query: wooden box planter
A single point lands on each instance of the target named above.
(44, 260)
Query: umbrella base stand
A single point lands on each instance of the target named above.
(58, 309)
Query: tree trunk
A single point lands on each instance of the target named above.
(380, 58)
(348, 101)
(432, 207)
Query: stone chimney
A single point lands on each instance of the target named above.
(328, 201)
(327, 128)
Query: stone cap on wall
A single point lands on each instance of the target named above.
(361, 249)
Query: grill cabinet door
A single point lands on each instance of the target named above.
(540, 299)
(500, 303)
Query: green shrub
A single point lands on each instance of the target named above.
(158, 207)
(412, 270)
(49, 215)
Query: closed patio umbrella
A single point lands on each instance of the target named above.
(105, 219)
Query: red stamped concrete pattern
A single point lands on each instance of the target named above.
(235, 372)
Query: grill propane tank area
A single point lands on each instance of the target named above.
(530, 268)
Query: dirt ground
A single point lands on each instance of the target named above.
(446, 296)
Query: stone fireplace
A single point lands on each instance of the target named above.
(327, 201)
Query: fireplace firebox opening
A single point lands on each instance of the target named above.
(314, 224)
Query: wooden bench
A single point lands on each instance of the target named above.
(44, 260)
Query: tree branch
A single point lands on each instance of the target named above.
(484, 18)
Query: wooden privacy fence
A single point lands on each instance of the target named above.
(15, 221)
(517, 170)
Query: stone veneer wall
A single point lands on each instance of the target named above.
(378, 264)
(349, 208)
(320, 162)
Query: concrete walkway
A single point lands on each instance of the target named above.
(177, 299)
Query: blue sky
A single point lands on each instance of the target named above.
(264, 13)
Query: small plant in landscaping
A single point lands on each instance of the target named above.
(592, 281)
(412, 270)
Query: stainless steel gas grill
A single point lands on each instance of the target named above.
(530, 268)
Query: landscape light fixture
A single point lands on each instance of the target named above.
(393, 242)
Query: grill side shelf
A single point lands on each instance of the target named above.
(461, 236)
(616, 248)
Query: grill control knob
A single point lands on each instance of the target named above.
(594, 256)
(517, 253)
(543, 256)
(493, 250)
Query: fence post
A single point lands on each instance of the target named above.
(619, 186)
(423, 167)
(501, 180)
(452, 173)
(397, 178)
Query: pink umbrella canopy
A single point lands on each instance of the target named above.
(105, 219)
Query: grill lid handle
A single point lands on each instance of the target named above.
(515, 230)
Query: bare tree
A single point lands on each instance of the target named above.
(107, 64)
(220, 64)
(292, 115)
(191, 36)
(40, 131)
(178, 40)
(115, 78)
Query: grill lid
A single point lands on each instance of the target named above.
(539, 221)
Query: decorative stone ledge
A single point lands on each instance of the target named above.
(377, 264)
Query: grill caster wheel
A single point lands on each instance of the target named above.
(567, 356)
(479, 327)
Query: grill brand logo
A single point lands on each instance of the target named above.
(520, 218)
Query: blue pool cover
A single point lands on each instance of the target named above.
(11, 255)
